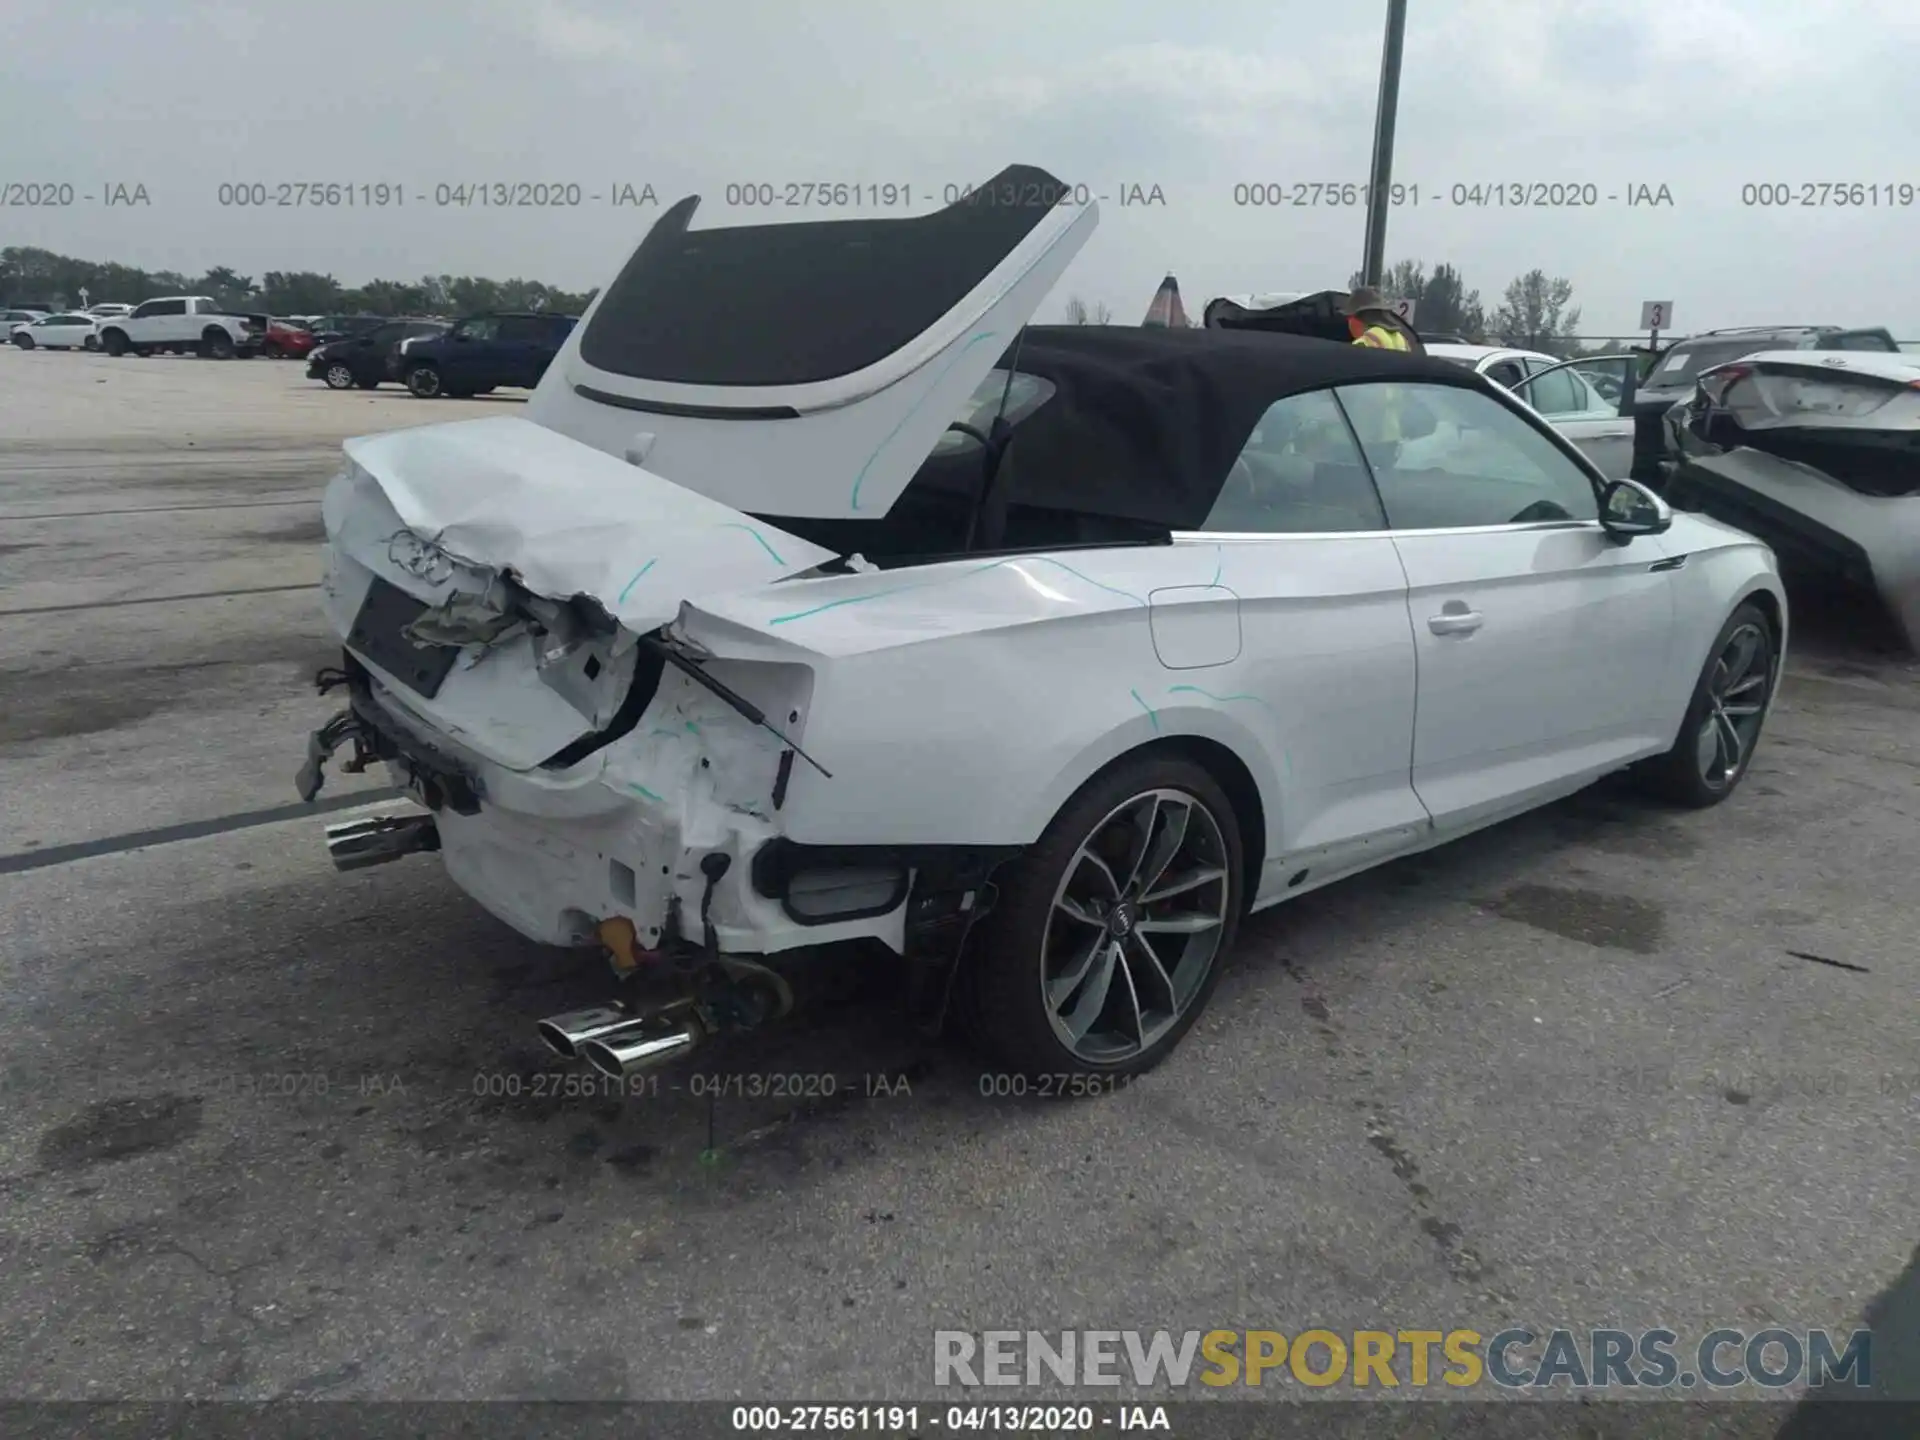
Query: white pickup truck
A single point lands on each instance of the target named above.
(180, 323)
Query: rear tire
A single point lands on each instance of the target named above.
(216, 345)
(1724, 718)
(23, 342)
(1110, 932)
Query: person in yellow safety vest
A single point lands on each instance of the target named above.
(1371, 323)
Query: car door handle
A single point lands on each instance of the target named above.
(1455, 622)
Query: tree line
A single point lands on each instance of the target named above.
(1536, 312)
(30, 274)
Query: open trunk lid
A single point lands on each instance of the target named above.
(808, 369)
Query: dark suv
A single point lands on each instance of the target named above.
(1671, 380)
(482, 353)
(362, 359)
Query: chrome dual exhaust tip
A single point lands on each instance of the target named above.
(565, 1034)
(377, 839)
(617, 1040)
(643, 1045)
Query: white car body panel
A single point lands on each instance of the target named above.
(963, 702)
(1878, 364)
(1557, 676)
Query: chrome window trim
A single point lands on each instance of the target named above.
(1243, 536)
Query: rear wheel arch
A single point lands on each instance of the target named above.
(1769, 605)
(1231, 774)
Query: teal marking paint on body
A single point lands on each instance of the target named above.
(890, 590)
(1111, 590)
(853, 502)
(1286, 760)
(949, 580)
(1151, 713)
(636, 579)
(1220, 564)
(736, 525)
(642, 790)
(1222, 699)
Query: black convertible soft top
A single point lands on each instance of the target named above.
(1145, 424)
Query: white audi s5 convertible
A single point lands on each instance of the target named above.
(820, 597)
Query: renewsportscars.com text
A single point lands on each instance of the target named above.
(1513, 1358)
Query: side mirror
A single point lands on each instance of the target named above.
(1628, 508)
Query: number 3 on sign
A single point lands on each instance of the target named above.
(1656, 314)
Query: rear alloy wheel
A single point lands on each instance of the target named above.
(1109, 933)
(339, 376)
(1723, 722)
(424, 381)
(216, 345)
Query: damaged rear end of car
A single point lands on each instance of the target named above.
(1819, 455)
(537, 649)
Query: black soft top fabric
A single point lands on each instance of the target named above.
(795, 304)
(1145, 424)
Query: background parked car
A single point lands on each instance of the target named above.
(287, 341)
(183, 324)
(72, 331)
(1568, 393)
(1679, 366)
(328, 328)
(364, 359)
(20, 315)
(111, 310)
(482, 353)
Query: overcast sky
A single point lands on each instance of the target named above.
(1700, 96)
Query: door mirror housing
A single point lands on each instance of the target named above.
(1628, 508)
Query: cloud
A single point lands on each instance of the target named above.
(572, 33)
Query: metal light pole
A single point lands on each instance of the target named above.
(1379, 192)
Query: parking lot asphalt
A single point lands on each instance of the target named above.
(272, 1130)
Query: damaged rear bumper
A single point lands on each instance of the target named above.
(556, 855)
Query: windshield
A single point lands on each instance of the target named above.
(1680, 365)
(1026, 395)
